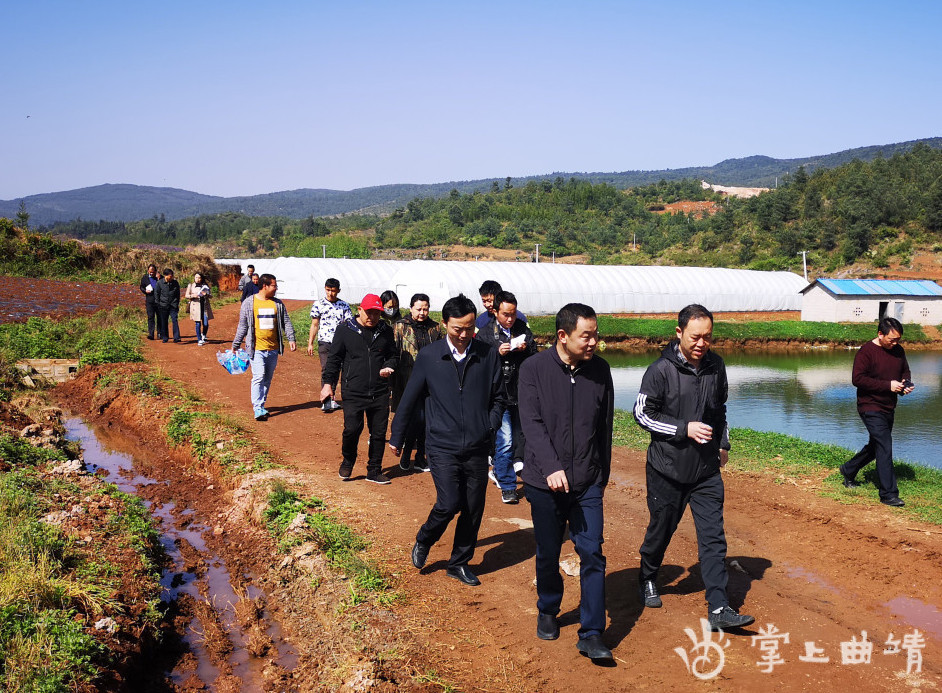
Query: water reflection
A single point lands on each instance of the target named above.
(809, 395)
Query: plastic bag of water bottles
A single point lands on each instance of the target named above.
(233, 361)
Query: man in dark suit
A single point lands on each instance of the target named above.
(149, 289)
(458, 380)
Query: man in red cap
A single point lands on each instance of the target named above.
(365, 350)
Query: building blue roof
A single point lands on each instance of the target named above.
(879, 287)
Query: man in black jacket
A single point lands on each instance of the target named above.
(566, 401)
(364, 349)
(458, 380)
(514, 343)
(682, 404)
(168, 306)
(149, 289)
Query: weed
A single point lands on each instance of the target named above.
(340, 544)
(431, 676)
(180, 426)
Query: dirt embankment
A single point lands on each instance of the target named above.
(810, 566)
(258, 618)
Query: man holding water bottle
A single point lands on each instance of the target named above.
(682, 404)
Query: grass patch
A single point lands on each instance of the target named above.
(50, 586)
(661, 329)
(611, 327)
(107, 337)
(788, 456)
(340, 545)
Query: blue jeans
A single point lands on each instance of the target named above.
(552, 511)
(202, 328)
(263, 368)
(503, 453)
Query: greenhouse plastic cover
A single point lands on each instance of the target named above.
(541, 288)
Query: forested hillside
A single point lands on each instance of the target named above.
(875, 212)
(134, 202)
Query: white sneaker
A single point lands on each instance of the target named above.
(493, 477)
(202, 342)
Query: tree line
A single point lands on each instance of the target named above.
(871, 211)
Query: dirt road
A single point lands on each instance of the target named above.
(819, 572)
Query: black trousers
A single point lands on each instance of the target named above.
(667, 500)
(415, 436)
(323, 353)
(880, 448)
(166, 315)
(376, 412)
(461, 485)
(151, 309)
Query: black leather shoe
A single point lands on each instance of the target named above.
(463, 573)
(894, 502)
(419, 555)
(848, 481)
(547, 627)
(647, 593)
(593, 647)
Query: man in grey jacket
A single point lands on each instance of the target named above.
(264, 325)
(682, 404)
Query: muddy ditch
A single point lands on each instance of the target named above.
(225, 640)
(246, 613)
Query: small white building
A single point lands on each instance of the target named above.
(868, 300)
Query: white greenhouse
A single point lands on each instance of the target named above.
(541, 289)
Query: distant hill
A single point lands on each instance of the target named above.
(123, 202)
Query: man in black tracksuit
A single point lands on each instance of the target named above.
(364, 349)
(682, 404)
(566, 402)
(458, 381)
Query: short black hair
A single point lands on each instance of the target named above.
(568, 316)
(266, 279)
(692, 312)
(389, 295)
(489, 288)
(418, 297)
(168, 272)
(332, 283)
(504, 297)
(888, 325)
(152, 266)
(251, 267)
(457, 307)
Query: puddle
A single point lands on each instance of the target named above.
(925, 617)
(213, 586)
(799, 573)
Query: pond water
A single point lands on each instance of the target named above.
(809, 395)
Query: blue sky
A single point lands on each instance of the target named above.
(241, 98)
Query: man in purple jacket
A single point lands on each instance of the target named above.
(880, 373)
(566, 405)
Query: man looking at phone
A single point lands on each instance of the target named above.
(880, 374)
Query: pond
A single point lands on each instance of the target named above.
(809, 395)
